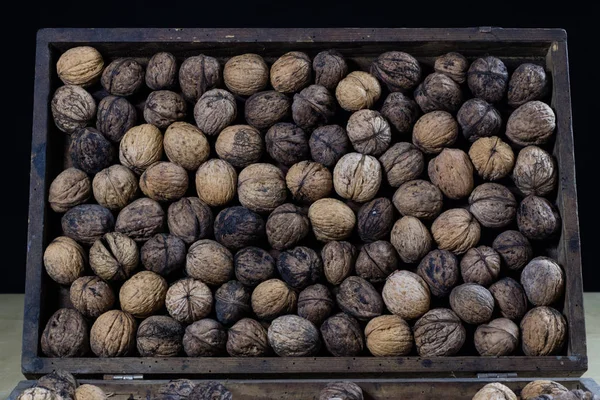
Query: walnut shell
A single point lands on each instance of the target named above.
(237, 227)
(272, 298)
(493, 205)
(357, 90)
(240, 145)
(115, 187)
(299, 267)
(338, 261)
(478, 118)
(114, 257)
(163, 107)
(439, 333)
(113, 334)
(216, 182)
(419, 199)
(291, 72)
(543, 332)
(331, 219)
(438, 92)
(342, 391)
(64, 260)
(159, 336)
(454, 65)
(510, 298)
(163, 254)
(540, 387)
(197, 75)
(61, 382)
(498, 338)
(90, 151)
(537, 218)
(309, 181)
(122, 77)
(411, 239)
(439, 269)
(80, 65)
(473, 303)
(376, 261)
(72, 108)
(204, 338)
(543, 281)
(214, 111)
(293, 336)
(116, 115)
(188, 300)
(232, 302)
(38, 393)
(492, 158)
(400, 111)
(65, 335)
(286, 226)
(358, 298)
(342, 336)
(388, 336)
(91, 296)
(401, 163)
(141, 219)
(287, 143)
(178, 389)
(399, 71)
(330, 68)
(406, 295)
(496, 391)
(456, 230)
(434, 131)
(487, 78)
(261, 187)
(246, 74)
(161, 72)
(164, 181)
(452, 172)
(69, 189)
(514, 249)
(247, 338)
(209, 261)
(369, 132)
(480, 265)
(313, 106)
(532, 123)
(253, 265)
(264, 109)
(143, 294)
(375, 219)
(357, 177)
(141, 147)
(528, 82)
(186, 145)
(328, 144)
(535, 172)
(87, 222)
(210, 390)
(190, 219)
(315, 304)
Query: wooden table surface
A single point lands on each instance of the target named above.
(11, 322)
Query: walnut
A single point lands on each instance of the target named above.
(291, 72)
(261, 187)
(330, 68)
(272, 298)
(65, 335)
(286, 226)
(527, 83)
(309, 181)
(400, 111)
(478, 119)
(61, 382)
(342, 391)
(178, 389)
(357, 90)
(116, 115)
(90, 392)
(240, 145)
(91, 296)
(439, 333)
(246, 74)
(439, 269)
(438, 92)
(293, 336)
(161, 72)
(216, 182)
(315, 303)
(210, 262)
(253, 265)
(141, 147)
(375, 219)
(498, 338)
(186, 145)
(313, 106)
(535, 172)
(388, 336)
(358, 298)
(210, 390)
(299, 267)
(532, 123)
(399, 71)
(237, 227)
(411, 239)
(247, 338)
(328, 144)
(540, 387)
(480, 265)
(72, 108)
(454, 65)
(338, 261)
(357, 177)
(64, 260)
(514, 249)
(163, 107)
(287, 143)
(141, 219)
(543, 280)
(369, 132)
(510, 298)
(473, 303)
(80, 65)
(537, 218)
(90, 151)
(159, 336)
(543, 332)
(493, 205)
(406, 295)
(496, 391)
(376, 261)
(492, 158)
(419, 199)
(190, 219)
(331, 219)
(197, 75)
(456, 230)
(452, 172)
(122, 77)
(38, 393)
(87, 222)
(401, 163)
(164, 181)
(113, 334)
(204, 338)
(188, 300)
(232, 302)
(163, 254)
(114, 257)
(487, 78)
(143, 294)
(434, 131)
(342, 336)
(264, 109)
(115, 187)
(214, 111)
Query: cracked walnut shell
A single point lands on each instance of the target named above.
(434, 131)
(64, 260)
(456, 230)
(114, 257)
(113, 334)
(140, 147)
(543, 331)
(91, 296)
(188, 300)
(406, 295)
(357, 90)
(273, 298)
(143, 294)
(492, 158)
(65, 335)
(80, 65)
(439, 333)
(357, 177)
(293, 336)
(115, 187)
(388, 336)
(331, 219)
(69, 189)
(186, 145)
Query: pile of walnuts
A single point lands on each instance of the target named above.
(295, 207)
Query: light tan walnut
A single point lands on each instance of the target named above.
(434, 131)
(456, 230)
(452, 172)
(388, 336)
(216, 182)
(115, 187)
(80, 65)
(261, 187)
(357, 90)
(143, 294)
(411, 239)
(64, 260)
(357, 177)
(273, 298)
(69, 189)
(492, 158)
(406, 295)
(189, 300)
(113, 334)
(331, 219)
(495, 391)
(186, 145)
(164, 181)
(246, 74)
(140, 147)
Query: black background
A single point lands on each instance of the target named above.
(18, 61)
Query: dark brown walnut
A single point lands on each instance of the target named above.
(315, 304)
(87, 222)
(240, 145)
(338, 261)
(309, 181)
(401, 163)
(293, 336)
(287, 225)
(434, 131)
(477, 118)
(300, 267)
(438, 92)
(291, 72)
(247, 338)
(480, 265)
(358, 90)
(188, 300)
(197, 75)
(232, 302)
(209, 391)
(342, 336)
(357, 177)
(341, 390)
(238, 227)
(454, 65)
(375, 220)
(163, 107)
(543, 281)
(400, 111)
(261, 187)
(439, 333)
(210, 262)
(113, 334)
(81, 65)
(358, 298)
(214, 111)
(246, 74)
(205, 338)
(514, 249)
(411, 239)
(535, 172)
(141, 219)
(164, 181)
(493, 205)
(419, 199)
(65, 335)
(90, 392)
(37, 393)
(388, 336)
(439, 269)
(253, 265)
(91, 296)
(190, 219)
(61, 382)
(473, 303)
(178, 389)
(456, 230)
(406, 295)
(330, 68)
(495, 390)
(527, 83)
(264, 109)
(492, 158)
(69, 189)
(540, 387)
(115, 187)
(287, 143)
(186, 145)
(487, 78)
(376, 261)
(537, 218)
(313, 106)
(159, 336)
(89, 151)
(216, 182)
(64, 260)
(452, 172)
(161, 72)
(116, 115)
(328, 144)
(143, 294)
(122, 77)
(533, 123)
(399, 71)
(72, 108)
(543, 332)
(510, 298)
(331, 219)
(498, 338)
(369, 132)
(114, 257)
(140, 147)
(273, 298)
(163, 254)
